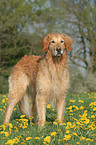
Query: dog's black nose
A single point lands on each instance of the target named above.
(58, 49)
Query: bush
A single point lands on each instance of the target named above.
(79, 82)
(3, 84)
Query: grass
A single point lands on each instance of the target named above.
(79, 126)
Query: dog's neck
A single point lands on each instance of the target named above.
(56, 64)
(56, 59)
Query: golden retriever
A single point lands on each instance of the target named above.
(37, 79)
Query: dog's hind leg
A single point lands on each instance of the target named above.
(17, 89)
(11, 104)
(25, 106)
(34, 109)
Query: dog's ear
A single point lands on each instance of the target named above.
(45, 43)
(68, 42)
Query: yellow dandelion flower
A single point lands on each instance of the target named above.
(75, 119)
(28, 138)
(9, 142)
(67, 127)
(37, 138)
(20, 125)
(86, 128)
(81, 107)
(85, 92)
(85, 111)
(82, 138)
(10, 125)
(81, 101)
(6, 134)
(22, 143)
(42, 136)
(77, 143)
(55, 123)
(72, 100)
(6, 98)
(78, 123)
(23, 140)
(53, 133)
(19, 136)
(71, 110)
(60, 140)
(14, 109)
(22, 116)
(2, 132)
(3, 126)
(67, 131)
(76, 107)
(3, 100)
(73, 106)
(23, 119)
(53, 109)
(53, 116)
(24, 127)
(47, 139)
(0, 109)
(63, 123)
(86, 121)
(67, 137)
(92, 116)
(10, 129)
(94, 109)
(16, 140)
(48, 106)
(45, 143)
(73, 126)
(92, 139)
(56, 120)
(70, 107)
(75, 133)
(69, 124)
(88, 139)
(3, 138)
(81, 126)
(71, 114)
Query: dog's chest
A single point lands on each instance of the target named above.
(52, 84)
(52, 80)
(59, 83)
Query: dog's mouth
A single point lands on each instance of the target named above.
(58, 51)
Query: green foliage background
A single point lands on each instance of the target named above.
(24, 23)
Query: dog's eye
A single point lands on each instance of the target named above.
(62, 41)
(52, 41)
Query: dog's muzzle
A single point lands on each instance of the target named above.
(59, 51)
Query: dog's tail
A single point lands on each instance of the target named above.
(25, 107)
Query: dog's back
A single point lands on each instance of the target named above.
(27, 64)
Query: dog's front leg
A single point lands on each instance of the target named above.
(41, 109)
(60, 108)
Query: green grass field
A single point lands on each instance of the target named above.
(79, 126)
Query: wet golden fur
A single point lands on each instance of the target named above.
(35, 79)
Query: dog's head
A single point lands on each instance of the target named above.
(56, 43)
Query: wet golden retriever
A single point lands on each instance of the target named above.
(37, 79)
